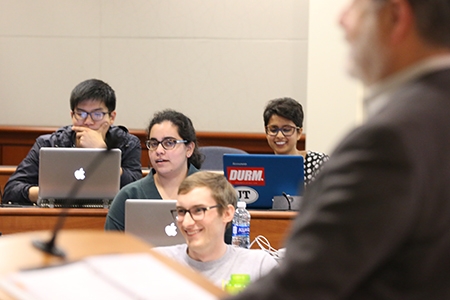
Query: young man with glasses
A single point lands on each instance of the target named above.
(206, 204)
(283, 122)
(92, 104)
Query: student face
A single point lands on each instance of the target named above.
(280, 143)
(361, 21)
(205, 237)
(94, 108)
(172, 161)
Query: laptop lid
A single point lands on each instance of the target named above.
(78, 173)
(258, 178)
(152, 221)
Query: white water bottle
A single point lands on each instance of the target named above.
(241, 226)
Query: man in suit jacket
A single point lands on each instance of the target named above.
(376, 222)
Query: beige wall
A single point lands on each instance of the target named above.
(334, 99)
(217, 61)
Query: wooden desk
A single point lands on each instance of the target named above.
(14, 220)
(274, 225)
(18, 253)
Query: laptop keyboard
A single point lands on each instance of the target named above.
(74, 203)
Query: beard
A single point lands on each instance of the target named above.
(368, 60)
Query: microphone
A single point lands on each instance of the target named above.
(50, 245)
(288, 200)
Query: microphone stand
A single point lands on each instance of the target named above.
(50, 245)
(288, 200)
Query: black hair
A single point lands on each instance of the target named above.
(287, 108)
(93, 89)
(186, 131)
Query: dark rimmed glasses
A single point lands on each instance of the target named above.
(286, 130)
(95, 115)
(197, 213)
(166, 143)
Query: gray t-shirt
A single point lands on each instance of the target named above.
(236, 260)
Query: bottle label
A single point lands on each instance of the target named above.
(241, 230)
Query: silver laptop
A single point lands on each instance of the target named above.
(151, 220)
(78, 177)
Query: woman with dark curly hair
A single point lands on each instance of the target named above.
(173, 152)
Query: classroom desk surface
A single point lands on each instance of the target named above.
(18, 254)
(7, 170)
(274, 225)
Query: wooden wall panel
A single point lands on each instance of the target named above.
(16, 141)
(13, 154)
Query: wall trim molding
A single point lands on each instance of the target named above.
(16, 141)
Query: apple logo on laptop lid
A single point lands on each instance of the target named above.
(80, 174)
(171, 230)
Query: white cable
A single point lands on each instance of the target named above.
(264, 245)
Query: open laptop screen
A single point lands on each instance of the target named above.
(258, 178)
(74, 176)
(152, 221)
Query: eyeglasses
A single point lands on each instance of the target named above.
(95, 115)
(197, 213)
(167, 143)
(286, 130)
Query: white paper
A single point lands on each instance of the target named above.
(118, 276)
